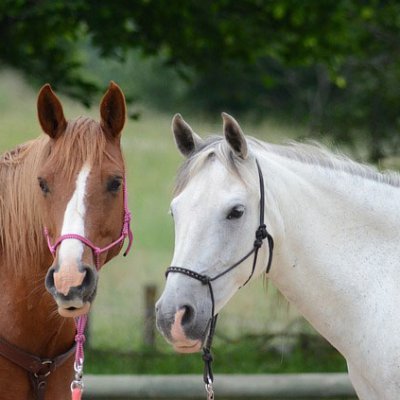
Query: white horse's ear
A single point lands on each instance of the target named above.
(186, 140)
(234, 136)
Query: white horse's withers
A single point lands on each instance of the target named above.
(335, 224)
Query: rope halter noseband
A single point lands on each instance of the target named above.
(261, 234)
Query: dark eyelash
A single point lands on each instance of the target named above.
(114, 184)
(236, 212)
(44, 187)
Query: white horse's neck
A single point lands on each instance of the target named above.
(337, 259)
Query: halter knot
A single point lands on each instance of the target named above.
(261, 234)
(207, 356)
(127, 220)
(204, 279)
(80, 338)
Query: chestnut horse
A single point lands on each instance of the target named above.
(71, 181)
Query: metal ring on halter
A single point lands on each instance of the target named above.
(78, 367)
(77, 385)
(45, 362)
(210, 391)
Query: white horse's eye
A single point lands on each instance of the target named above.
(235, 213)
(171, 213)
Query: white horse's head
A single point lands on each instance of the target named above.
(216, 210)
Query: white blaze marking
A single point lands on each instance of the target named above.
(71, 250)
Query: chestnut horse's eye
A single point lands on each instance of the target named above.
(44, 187)
(236, 212)
(114, 184)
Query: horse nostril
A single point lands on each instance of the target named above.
(90, 279)
(49, 281)
(188, 315)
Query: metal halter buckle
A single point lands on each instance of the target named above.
(77, 383)
(209, 390)
(45, 375)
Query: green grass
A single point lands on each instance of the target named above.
(249, 355)
(117, 316)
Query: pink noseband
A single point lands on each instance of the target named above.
(125, 232)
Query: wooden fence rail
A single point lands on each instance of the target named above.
(227, 387)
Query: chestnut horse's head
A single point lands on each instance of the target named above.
(81, 181)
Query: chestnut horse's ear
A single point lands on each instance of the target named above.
(50, 112)
(234, 136)
(113, 111)
(186, 140)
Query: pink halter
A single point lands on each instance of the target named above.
(80, 322)
(125, 232)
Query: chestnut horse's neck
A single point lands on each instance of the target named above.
(29, 318)
(28, 314)
(30, 322)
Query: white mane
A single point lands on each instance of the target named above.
(310, 153)
(316, 154)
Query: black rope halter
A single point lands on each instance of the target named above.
(261, 234)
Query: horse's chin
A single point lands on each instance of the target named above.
(192, 346)
(73, 312)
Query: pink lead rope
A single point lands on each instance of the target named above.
(80, 322)
(77, 384)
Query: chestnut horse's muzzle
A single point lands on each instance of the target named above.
(73, 298)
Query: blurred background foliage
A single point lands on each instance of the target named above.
(333, 65)
(327, 69)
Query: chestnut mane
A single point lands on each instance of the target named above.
(21, 226)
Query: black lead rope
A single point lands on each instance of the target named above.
(261, 234)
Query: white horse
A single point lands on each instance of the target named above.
(335, 224)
